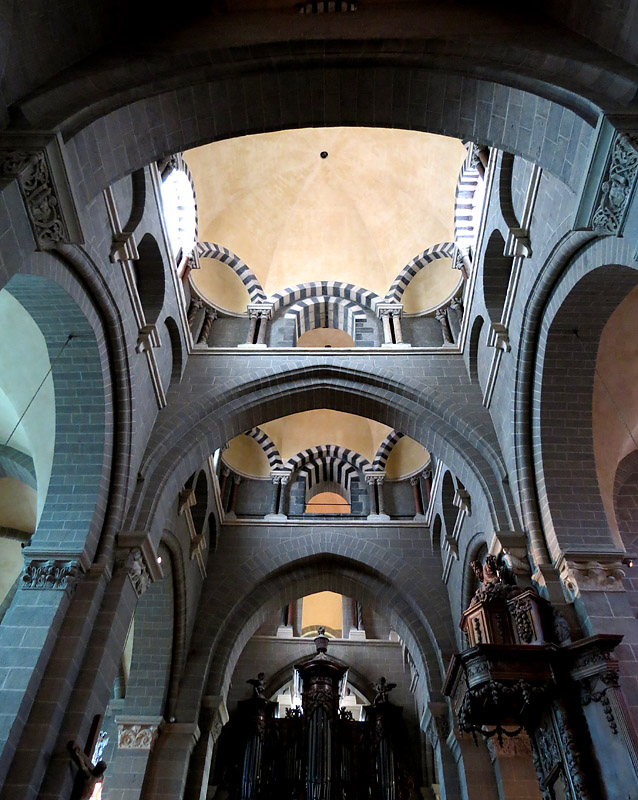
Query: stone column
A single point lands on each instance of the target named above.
(224, 481)
(427, 477)
(415, 483)
(193, 310)
(252, 330)
(259, 314)
(441, 315)
(514, 768)
(390, 316)
(232, 503)
(280, 479)
(377, 509)
(167, 779)
(209, 317)
(212, 718)
(461, 261)
(136, 736)
(347, 616)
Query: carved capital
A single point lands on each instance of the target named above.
(138, 733)
(36, 161)
(595, 572)
(374, 477)
(617, 185)
(260, 310)
(135, 566)
(50, 574)
(389, 310)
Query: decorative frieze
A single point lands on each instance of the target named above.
(37, 163)
(136, 736)
(50, 574)
(590, 573)
(617, 185)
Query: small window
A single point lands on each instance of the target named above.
(180, 216)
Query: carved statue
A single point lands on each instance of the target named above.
(492, 583)
(259, 686)
(382, 689)
(321, 631)
(91, 775)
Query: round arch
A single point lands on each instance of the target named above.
(440, 422)
(223, 634)
(592, 286)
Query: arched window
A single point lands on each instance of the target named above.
(180, 212)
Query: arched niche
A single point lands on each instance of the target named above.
(496, 274)
(150, 279)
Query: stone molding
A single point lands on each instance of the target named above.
(590, 572)
(51, 573)
(617, 185)
(36, 161)
(137, 733)
(389, 309)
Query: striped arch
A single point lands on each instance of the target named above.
(348, 291)
(248, 277)
(328, 469)
(464, 200)
(326, 312)
(267, 445)
(402, 280)
(385, 448)
(318, 452)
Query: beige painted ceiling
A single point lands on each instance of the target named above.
(297, 432)
(380, 198)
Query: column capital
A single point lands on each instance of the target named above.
(137, 733)
(260, 310)
(281, 476)
(389, 309)
(376, 476)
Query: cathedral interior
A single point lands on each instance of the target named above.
(235, 565)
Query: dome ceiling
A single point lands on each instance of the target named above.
(379, 198)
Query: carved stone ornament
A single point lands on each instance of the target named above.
(134, 563)
(594, 574)
(510, 747)
(136, 737)
(33, 172)
(617, 185)
(53, 574)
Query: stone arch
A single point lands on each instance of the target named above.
(65, 524)
(496, 274)
(437, 420)
(323, 451)
(327, 469)
(626, 501)
(575, 314)
(327, 486)
(402, 280)
(149, 277)
(267, 445)
(326, 312)
(385, 448)
(476, 550)
(324, 289)
(426, 639)
(244, 272)
(544, 89)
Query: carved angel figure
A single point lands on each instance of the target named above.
(382, 689)
(259, 686)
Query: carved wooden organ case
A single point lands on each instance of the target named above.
(317, 752)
